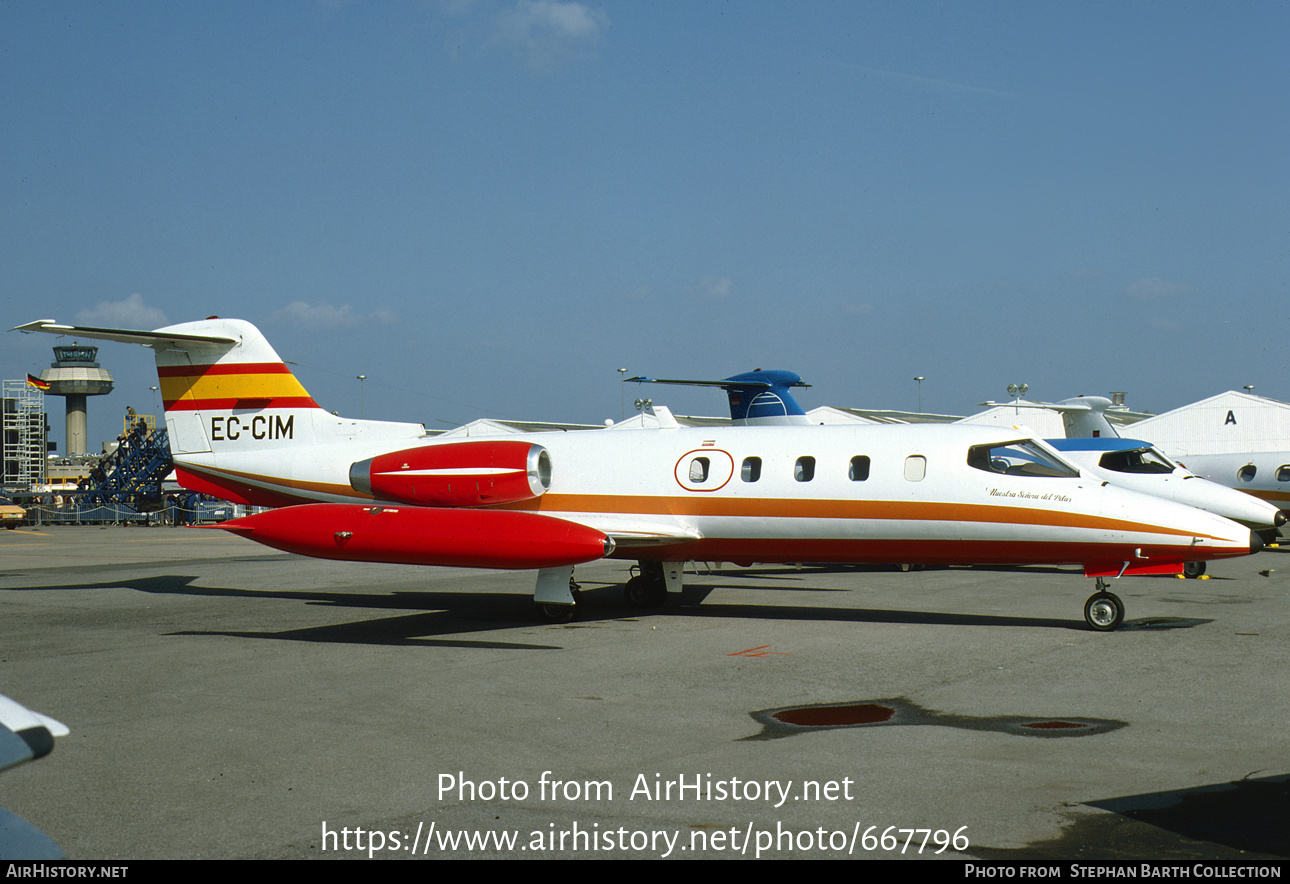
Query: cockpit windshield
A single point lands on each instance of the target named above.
(1021, 458)
(1138, 460)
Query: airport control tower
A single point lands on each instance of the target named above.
(76, 375)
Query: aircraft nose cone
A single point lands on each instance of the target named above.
(1256, 543)
(1280, 518)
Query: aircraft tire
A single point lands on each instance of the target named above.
(1104, 611)
(645, 591)
(1192, 570)
(557, 614)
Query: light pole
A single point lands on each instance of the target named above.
(920, 380)
(622, 395)
(361, 378)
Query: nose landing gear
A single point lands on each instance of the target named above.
(1103, 611)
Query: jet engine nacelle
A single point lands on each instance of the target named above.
(478, 473)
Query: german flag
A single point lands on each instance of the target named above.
(36, 382)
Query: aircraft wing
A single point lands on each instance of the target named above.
(160, 339)
(627, 539)
(25, 735)
(629, 532)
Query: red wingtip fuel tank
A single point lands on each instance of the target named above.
(413, 535)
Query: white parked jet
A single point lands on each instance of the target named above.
(1130, 463)
(1234, 438)
(1247, 486)
(242, 427)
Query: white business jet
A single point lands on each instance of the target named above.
(242, 427)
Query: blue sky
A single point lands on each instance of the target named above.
(489, 207)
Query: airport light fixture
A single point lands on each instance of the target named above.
(1017, 391)
(361, 378)
(622, 396)
(920, 380)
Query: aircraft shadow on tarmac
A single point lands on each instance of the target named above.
(442, 613)
(454, 613)
(1241, 820)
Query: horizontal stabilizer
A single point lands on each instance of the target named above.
(1066, 405)
(160, 339)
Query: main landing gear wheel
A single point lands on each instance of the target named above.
(1192, 570)
(558, 614)
(648, 589)
(1104, 611)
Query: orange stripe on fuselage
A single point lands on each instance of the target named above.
(231, 385)
(787, 508)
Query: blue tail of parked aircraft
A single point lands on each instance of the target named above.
(756, 397)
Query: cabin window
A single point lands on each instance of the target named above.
(804, 470)
(751, 469)
(1021, 458)
(1283, 473)
(699, 469)
(707, 469)
(1247, 472)
(1141, 460)
(859, 470)
(915, 467)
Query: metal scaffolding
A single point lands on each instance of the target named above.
(25, 445)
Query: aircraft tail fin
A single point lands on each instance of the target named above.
(1085, 416)
(756, 397)
(216, 376)
(234, 408)
(1082, 417)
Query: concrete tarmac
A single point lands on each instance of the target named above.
(229, 701)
